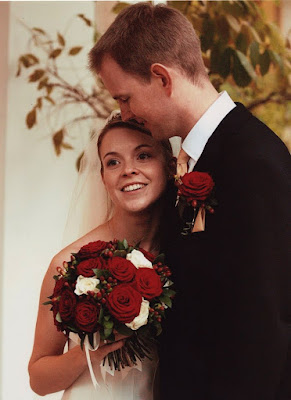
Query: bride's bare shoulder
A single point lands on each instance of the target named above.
(99, 233)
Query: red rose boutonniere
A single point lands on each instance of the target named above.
(195, 198)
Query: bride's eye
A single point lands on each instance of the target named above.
(112, 163)
(144, 156)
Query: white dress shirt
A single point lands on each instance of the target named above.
(197, 138)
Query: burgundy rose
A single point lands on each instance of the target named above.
(85, 267)
(124, 303)
(121, 269)
(86, 315)
(59, 287)
(147, 255)
(67, 304)
(92, 249)
(148, 283)
(196, 186)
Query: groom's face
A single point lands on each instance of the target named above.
(143, 101)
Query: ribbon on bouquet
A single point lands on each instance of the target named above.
(103, 368)
(96, 340)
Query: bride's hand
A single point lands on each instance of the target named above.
(107, 347)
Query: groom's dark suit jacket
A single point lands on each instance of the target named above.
(228, 336)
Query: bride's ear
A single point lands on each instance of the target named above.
(163, 75)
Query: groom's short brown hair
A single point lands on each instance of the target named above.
(143, 34)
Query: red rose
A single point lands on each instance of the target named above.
(85, 267)
(121, 269)
(92, 249)
(124, 303)
(148, 283)
(87, 314)
(147, 255)
(58, 287)
(67, 304)
(196, 186)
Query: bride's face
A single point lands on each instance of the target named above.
(134, 169)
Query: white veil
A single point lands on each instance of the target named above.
(90, 203)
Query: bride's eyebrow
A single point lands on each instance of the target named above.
(143, 145)
(110, 153)
(115, 153)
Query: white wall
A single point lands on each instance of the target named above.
(38, 187)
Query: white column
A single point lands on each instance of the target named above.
(4, 20)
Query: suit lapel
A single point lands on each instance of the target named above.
(212, 154)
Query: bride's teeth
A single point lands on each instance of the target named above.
(130, 188)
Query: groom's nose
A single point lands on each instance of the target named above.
(126, 113)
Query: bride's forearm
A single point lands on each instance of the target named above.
(51, 374)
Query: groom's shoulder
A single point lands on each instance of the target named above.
(250, 137)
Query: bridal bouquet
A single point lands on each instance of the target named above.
(110, 287)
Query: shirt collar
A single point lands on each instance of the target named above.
(197, 138)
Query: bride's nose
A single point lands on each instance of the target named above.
(129, 169)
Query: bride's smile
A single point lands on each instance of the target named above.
(133, 187)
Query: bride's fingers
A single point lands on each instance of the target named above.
(108, 348)
(118, 337)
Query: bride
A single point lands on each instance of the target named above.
(135, 170)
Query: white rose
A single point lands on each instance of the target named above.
(85, 285)
(138, 259)
(142, 318)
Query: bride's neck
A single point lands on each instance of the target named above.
(136, 228)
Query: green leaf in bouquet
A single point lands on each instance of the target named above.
(169, 292)
(166, 300)
(101, 272)
(58, 318)
(159, 258)
(168, 283)
(107, 318)
(107, 332)
(56, 277)
(101, 316)
(120, 253)
(108, 324)
(125, 244)
(158, 327)
(124, 330)
(72, 329)
(82, 337)
(47, 302)
(120, 245)
(91, 339)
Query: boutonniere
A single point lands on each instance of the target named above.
(194, 199)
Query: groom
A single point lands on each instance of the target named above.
(229, 335)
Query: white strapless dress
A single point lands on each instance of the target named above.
(131, 383)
